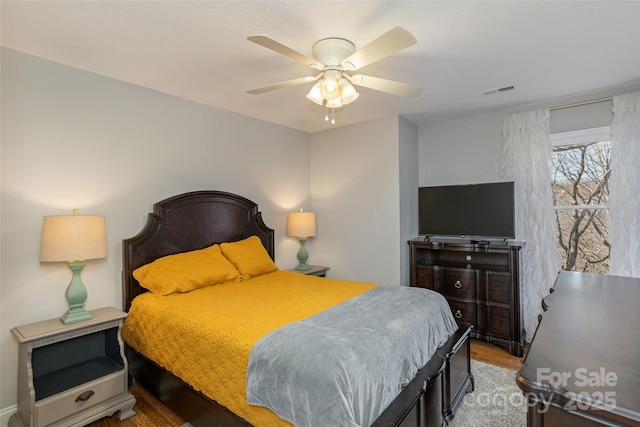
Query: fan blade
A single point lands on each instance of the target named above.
(280, 85)
(387, 44)
(383, 85)
(269, 43)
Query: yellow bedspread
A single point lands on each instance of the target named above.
(205, 336)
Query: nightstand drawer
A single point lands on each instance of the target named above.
(55, 408)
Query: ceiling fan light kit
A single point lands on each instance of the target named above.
(334, 57)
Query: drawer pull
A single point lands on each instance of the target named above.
(458, 314)
(83, 397)
(458, 284)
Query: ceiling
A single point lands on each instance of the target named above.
(199, 50)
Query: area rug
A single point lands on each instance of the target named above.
(496, 401)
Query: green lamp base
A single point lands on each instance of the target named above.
(73, 316)
(76, 296)
(303, 255)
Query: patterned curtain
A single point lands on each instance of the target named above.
(526, 160)
(624, 186)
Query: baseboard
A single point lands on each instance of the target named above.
(6, 413)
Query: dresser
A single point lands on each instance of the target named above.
(582, 368)
(71, 375)
(481, 281)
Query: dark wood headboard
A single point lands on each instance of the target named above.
(188, 222)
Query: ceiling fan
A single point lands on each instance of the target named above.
(336, 58)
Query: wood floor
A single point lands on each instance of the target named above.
(152, 413)
(489, 353)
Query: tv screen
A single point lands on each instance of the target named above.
(472, 210)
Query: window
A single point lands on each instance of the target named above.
(581, 170)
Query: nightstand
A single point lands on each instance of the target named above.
(71, 375)
(315, 270)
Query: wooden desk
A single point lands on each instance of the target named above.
(583, 366)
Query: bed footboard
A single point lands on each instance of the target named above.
(432, 397)
(457, 379)
(420, 403)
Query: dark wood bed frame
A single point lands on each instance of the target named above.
(199, 219)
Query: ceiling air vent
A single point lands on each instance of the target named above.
(498, 90)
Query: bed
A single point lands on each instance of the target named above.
(201, 221)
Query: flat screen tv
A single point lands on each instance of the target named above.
(471, 210)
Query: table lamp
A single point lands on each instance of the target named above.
(75, 239)
(302, 225)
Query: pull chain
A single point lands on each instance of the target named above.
(326, 114)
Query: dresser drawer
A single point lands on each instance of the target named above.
(424, 278)
(499, 287)
(460, 258)
(460, 283)
(59, 406)
(500, 321)
(464, 312)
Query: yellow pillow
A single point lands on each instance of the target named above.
(186, 271)
(249, 257)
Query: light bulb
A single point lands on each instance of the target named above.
(330, 88)
(331, 85)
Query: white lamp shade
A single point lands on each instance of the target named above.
(315, 94)
(301, 224)
(347, 92)
(73, 238)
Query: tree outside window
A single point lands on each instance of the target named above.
(581, 170)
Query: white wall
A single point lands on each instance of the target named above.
(355, 194)
(72, 139)
(462, 151)
(467, 150)
(409, 175)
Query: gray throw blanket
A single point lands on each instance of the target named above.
(342, 367)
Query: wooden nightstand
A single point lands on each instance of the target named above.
(315, 270)
(71, 375)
